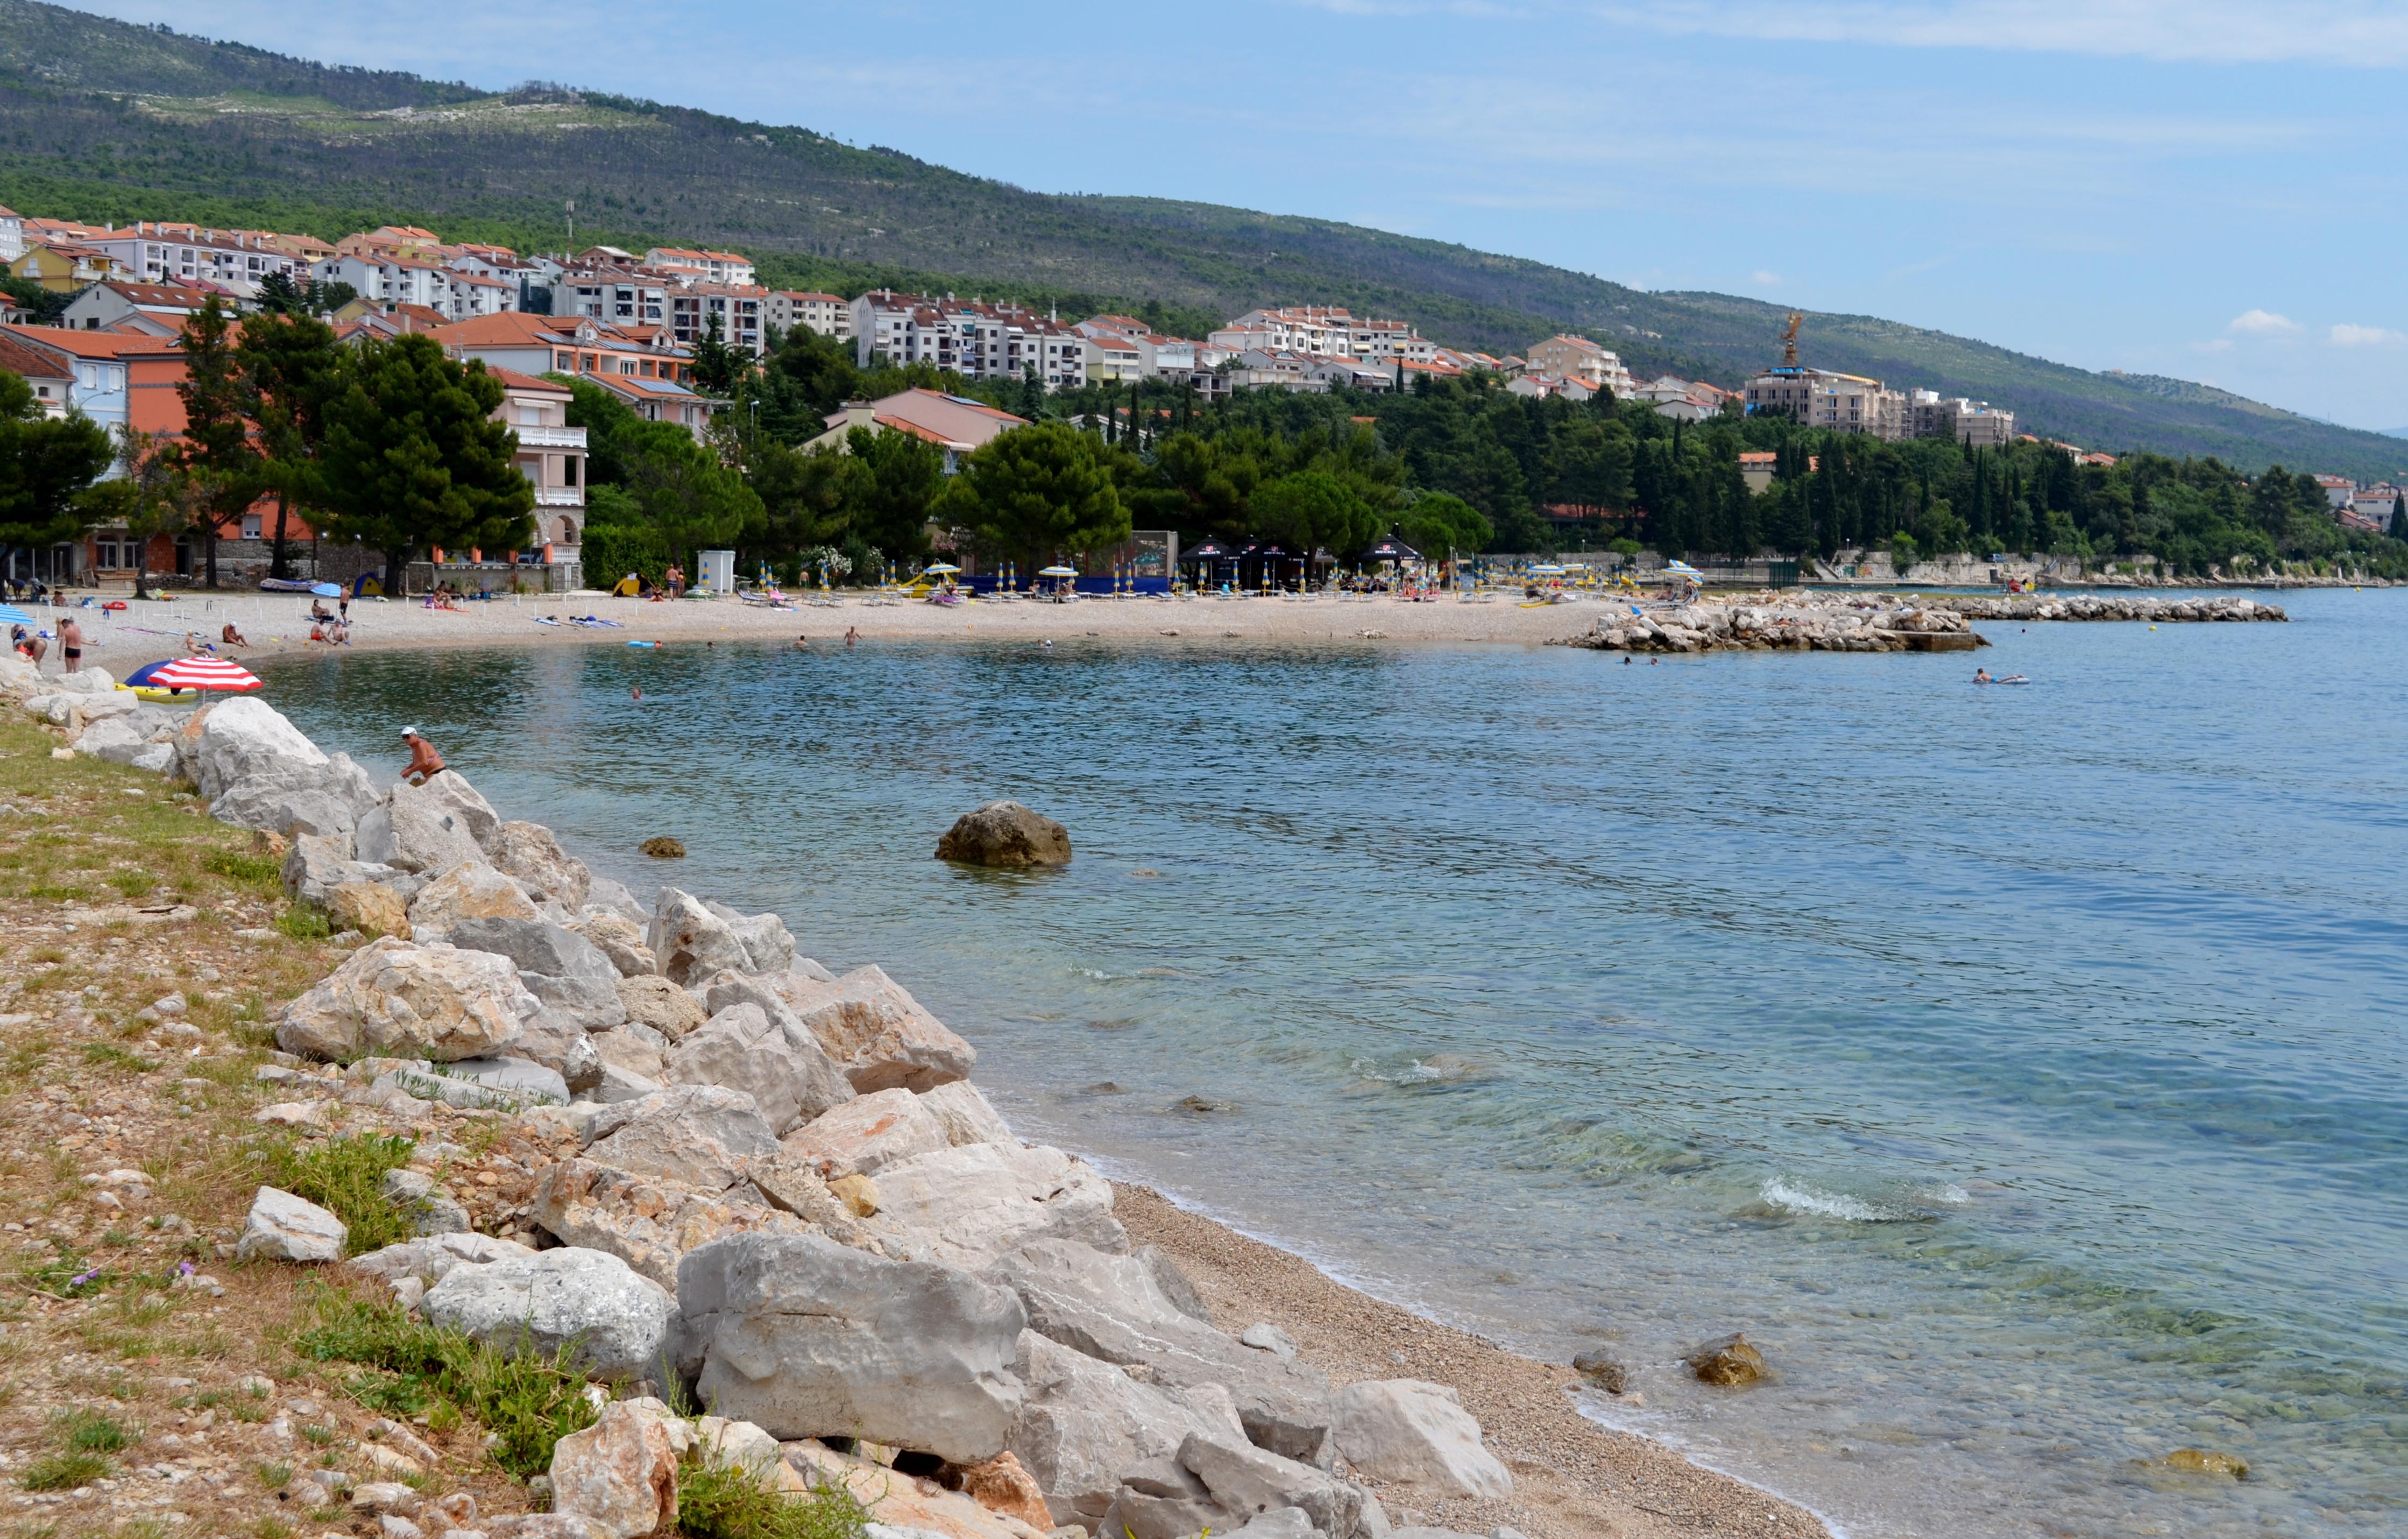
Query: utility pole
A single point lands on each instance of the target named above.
(572, 226)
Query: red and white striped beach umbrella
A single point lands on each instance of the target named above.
(205, 674)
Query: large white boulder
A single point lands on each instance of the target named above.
(560, 967)
(1083, 1421)
(417, 830)
(808, 1338)
(618, 1319)
(247, 739)
(877, 1032)
(469, 890)
(646, 1222)
(431, 1258)
(698, 1136)
(691, 942)
(864, 1135)
(396, 998)
(965, 1114)
(452, 795)
(776, 1062)
(971, 1205)
(1111, 1308)
(1407, 1433)
(1251, 1481)
(330, 798)
(530, 856)
(316, 864)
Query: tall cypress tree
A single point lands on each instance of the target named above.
(217, 452)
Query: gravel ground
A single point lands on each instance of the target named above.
(1572, 1479)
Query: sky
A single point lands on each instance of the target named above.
(2215, 190)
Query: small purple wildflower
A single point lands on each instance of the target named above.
(82, 1279)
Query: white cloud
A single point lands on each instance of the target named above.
(2259, 323)
(2345, 334)
(1769, 279)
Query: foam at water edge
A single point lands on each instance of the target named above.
(1806, 1200)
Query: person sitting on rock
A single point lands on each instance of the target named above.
(424, 762)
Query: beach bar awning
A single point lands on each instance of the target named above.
(1392, 549)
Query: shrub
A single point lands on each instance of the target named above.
(528, 1401)
(344, 1174)
(302, 922)
(717, 1501)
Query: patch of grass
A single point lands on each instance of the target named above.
(718, 1500)
(342, 1175)
(528, 1399)
(132, 884)
(64, 1472)
(65, 1272)
(271, 1528)
(275, 1476)
(50, 892)
(250, 871)
(90, 1433)
(302, 924)
(114, 1056)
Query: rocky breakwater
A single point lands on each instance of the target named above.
(773, 1191)
(1764, 622)
(2106, 606)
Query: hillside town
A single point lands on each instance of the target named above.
(632, 324)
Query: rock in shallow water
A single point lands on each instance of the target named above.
(1733, 1360)
(1006, 834)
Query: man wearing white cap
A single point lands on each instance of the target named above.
(424, 762)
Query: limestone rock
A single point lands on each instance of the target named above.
(431, 1259)
(1733, 1361)
(316, 864)
(877, 1032)
(501, 1083)
(1082, 1421)
(1249, 1481)
(768, 946)
(529, 855)
(399, 998)
(566, 971)
(653, 1001)
(1407, 1433)
(631, 1050)
(1005, 833)
(661, 847)
(1176, 1286)
(1604, 1370)
(2205, 1461)
(451, 794)
(690, 941)
(864, 1136)
(1163, 1499)
(429, 1209)
(327, 799)
(1267, 1338)
(1110, 1308)
(699, 1136)
(418, 830)
(620, 939)
(806, 1337)
(369, 907)
(963, 1112)
(560, 1042)
(973, 1204)
(544, 1525)
(245, 740)
(858, 1193)
(469, 890)
(791, 1185)
(284, 1228)
(621, 1473)
(1001, 1484)
(648, 1224)
(618, 1320)
(779, 1064)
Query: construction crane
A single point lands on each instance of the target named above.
(1789, 340)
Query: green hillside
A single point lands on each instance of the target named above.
(105, 120)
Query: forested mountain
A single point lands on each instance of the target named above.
(105, 120)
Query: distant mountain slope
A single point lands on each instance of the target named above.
(103, 119)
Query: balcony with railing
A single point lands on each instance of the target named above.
(550, 437)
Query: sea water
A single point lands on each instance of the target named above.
(2019, 1067)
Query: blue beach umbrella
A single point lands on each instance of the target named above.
(11, 615)
(329, 590)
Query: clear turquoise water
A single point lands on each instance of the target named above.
(2021, 1068)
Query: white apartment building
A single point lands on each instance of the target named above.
(1815, 398)
(830, 315)
(1565, 357)
(976, 340)
(706, 266)
(739, 310)
(620, 296)
(395, 280)
(12, 235)
(182, 253)
(1975, 423)
(1327, 330)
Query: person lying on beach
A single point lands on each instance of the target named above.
(195, 647)
(232, 637)
(424, 762)
(32, 648)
